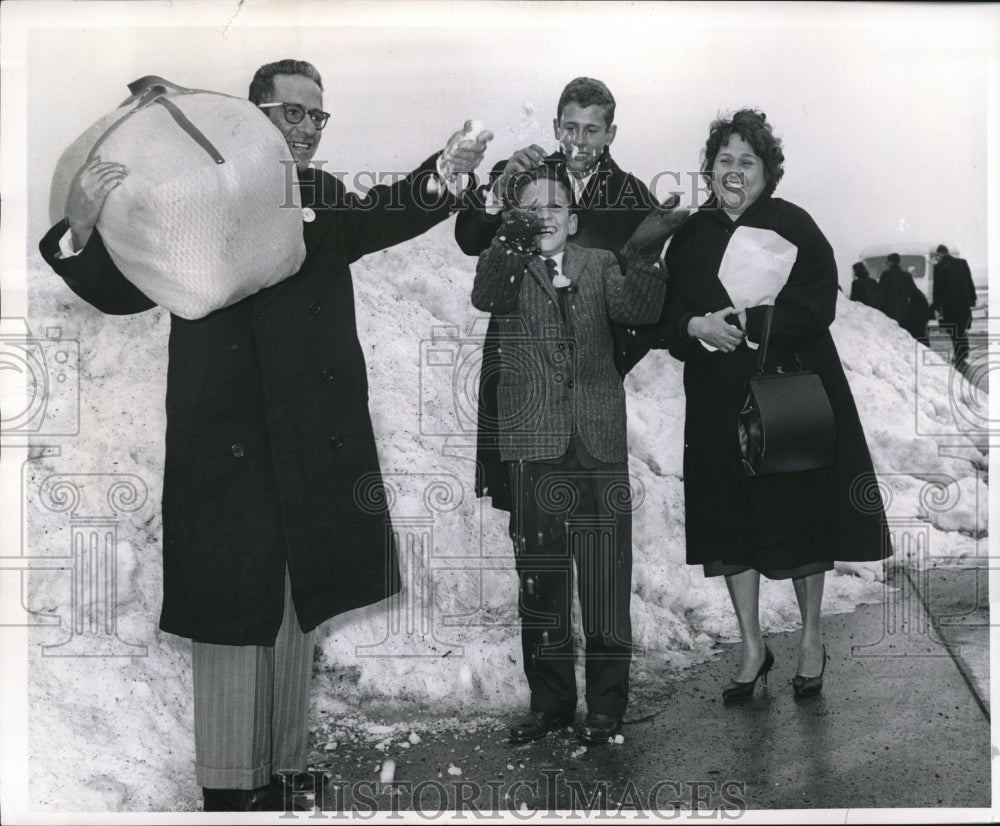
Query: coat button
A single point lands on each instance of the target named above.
(238, 450)
(328, 374)
(314, 308)
(570, 384)
(336, 441)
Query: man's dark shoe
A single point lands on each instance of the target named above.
(537, 724)
(302, 782)
(297, 793)
(598, 728)
(242, 800)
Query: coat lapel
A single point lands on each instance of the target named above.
(571, 262)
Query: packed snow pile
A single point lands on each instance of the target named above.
(113, 729)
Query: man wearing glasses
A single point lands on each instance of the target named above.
(273, 517)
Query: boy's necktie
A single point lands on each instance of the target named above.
(558, 281)
(563, 287)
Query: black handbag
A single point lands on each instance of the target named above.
(786, 423)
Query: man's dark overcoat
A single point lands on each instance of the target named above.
(270, 454)
(954, 293)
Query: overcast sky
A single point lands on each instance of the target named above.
(885, 110)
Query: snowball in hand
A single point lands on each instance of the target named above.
(475, 130)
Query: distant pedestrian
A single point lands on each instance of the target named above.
(864, 288)
(902, 300)
(954, 296)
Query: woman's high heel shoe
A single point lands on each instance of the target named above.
(807, 686)
(744, 691)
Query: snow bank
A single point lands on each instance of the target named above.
(116, 732)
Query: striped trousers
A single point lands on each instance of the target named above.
(251, 706)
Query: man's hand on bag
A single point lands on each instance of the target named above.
(87, 194)
(715, 330)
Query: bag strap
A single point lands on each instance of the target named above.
(152, 89)
(137, 87)
(195, 133)
(765, 339)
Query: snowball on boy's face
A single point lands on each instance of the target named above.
(551, 201)
(583, 132)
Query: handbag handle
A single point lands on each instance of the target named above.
(765, 339)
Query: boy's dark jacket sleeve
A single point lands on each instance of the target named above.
(498, 279)
(474, 227)
(92, 274)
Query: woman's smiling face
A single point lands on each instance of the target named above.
(738, 177)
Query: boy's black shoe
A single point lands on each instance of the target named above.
(537, 724)
(598, 728)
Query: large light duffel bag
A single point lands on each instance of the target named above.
(209, 211)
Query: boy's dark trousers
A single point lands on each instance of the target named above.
(567, 510)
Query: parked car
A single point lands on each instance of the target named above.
(918, 260)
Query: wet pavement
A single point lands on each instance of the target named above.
(903, 721)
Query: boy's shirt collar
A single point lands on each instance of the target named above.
(579, 185)
(558, 258)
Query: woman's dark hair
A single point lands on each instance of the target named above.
(860, 270)
(752, 126)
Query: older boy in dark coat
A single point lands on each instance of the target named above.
(563, 441)
(609, 204)
(272, 516)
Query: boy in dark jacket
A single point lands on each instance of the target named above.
(609, 204)
(562, 440)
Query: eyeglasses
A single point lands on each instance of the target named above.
(294, 113)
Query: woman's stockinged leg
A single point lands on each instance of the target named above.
(744, 590)
(809, 593)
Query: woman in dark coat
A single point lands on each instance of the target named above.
(786, 526)
(864, 288)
